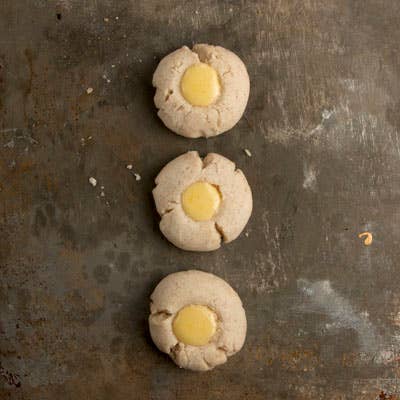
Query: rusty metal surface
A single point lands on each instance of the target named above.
(77, 267)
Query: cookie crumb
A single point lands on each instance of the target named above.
(129, 166)
(89, 90)
(106, 19)
(368, 238)
(102, 194)
(93, 181)
(137, 176)
(248, 152)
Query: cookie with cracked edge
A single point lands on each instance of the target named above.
(201, 92)
(181, 293)
(202, 202)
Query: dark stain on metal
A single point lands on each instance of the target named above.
(386, 396)
(28, 86)
(10, 378)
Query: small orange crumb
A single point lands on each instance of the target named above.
(368, 238)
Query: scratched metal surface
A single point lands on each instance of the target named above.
(77, 268)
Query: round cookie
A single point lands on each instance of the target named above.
(197, 319)
(201, 92)
(202, 202)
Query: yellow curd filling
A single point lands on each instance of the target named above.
(200, 85)
(195, 325)
(200, 201)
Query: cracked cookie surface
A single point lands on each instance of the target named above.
(203, 114)
(180, 291)
(227, 216)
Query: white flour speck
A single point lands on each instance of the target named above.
(326, 114)
(321, 297)
(8, 130)
(93, 181)
(310, 177)
(10, 144)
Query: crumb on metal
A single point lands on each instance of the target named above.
(93, 181)
(137, 176)
(129, 166)
(248, 152)
(368, 238)
(89, 90)
(106, 19)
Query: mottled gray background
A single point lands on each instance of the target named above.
(322, 124)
